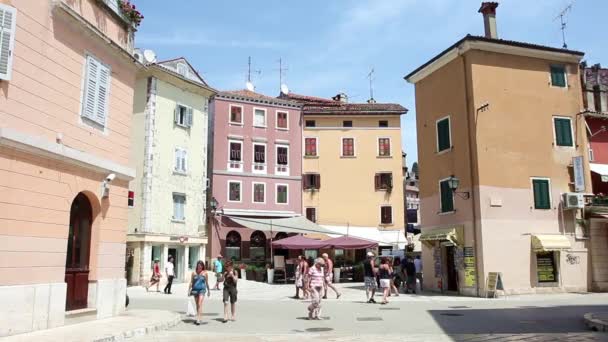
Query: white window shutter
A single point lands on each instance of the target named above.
(177, 153)
(185, 160)
(189, 117)
(8, 24)
(176, 114)
(89, 99)
(103, 96)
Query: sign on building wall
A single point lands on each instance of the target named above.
(469, 267)
(437, 261)
(579, 174)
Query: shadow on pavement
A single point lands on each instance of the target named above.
(553, 319)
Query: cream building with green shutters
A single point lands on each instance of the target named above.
(169, 137)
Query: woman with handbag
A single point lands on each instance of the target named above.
(155, 280)
(198, 286)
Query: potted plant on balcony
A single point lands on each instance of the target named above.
(130, 12)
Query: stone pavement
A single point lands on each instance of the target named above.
(131, 324)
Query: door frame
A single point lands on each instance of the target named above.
(77, 287)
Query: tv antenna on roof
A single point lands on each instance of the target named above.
(281, 70)
(249, 84)
(371, 86)
(561, 17)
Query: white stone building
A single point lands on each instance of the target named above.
(169, 139)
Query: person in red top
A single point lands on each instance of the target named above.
(329, 269)
(155, 280)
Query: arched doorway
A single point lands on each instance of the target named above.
(77, 260)
(282, 252)
(257, 249)
(233, 246)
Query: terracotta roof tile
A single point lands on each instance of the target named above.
(320, 105)
(256, 97)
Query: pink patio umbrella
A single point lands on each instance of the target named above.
(299, 242)
(349, 242)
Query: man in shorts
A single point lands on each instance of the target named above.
(230, 291)
(329, 275)
(369, 272)
(218, 268)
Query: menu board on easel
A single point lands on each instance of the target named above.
(493, 283)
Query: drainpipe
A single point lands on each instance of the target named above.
(470, 112)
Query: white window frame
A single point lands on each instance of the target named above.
(253, 184)
(184, 154)
(264, 165)
(184, 67)
(176, 219)
(185, 123)
(392, 215)
(354, 147)
(437, 134)
(11, 43)
(555, 133)
(265, 117)
(231, 163)
(240, 191)
(276, 193)
(276, 150)
(230, 115)
(316, 147)
(91, 122)
(550, 192)
(566, 85)
(390, 141)
(277, 120)
(453, 198)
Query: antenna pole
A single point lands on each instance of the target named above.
(371, 85)
(249, 70)
(563, 23)
(281, 70)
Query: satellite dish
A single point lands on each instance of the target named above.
(149, 56)
(284, 89)
(250, 86)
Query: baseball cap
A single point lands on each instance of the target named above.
(370, 254)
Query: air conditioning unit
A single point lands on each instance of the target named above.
(573, 200)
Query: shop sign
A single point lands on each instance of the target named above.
(579, 174)
(545, 268)
(494, 283)
(469, 267)
(437, 261)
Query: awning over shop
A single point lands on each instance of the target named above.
(601, 169)
(394, 238)
(452, 234)
(349, 242)
(299, 242)
(547, 243)
(297, 224)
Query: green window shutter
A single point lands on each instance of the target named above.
(541, 194)
(558, 76)
(563, 132)
(447, 201)
(443, 135)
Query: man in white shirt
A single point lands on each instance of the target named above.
(418, 265)
(170, 274)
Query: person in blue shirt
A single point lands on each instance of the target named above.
(218, 268)
(198, 287)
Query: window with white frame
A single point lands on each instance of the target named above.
(444, 134)
(181, 160)
(282, 166)
(234, 191)
(563, 131)
(384, 147)
(179, 207)
(348, 147)
(259, 192)
(236, 115)
(96, 92)
(8, 24)
(259, 158)
(183, 116)
(259, 117)
(282, 120)
(310, 147)
(182, 69)
(235, 155)
(282, 194)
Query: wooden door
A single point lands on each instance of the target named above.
(77, 260)
(451, 268)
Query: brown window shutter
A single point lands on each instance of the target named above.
(377, 181)
(305, 182)
(390, 180)
(318, 181)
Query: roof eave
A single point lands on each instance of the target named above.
(159, 67)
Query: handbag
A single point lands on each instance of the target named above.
(190, 309)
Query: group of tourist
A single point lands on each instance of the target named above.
(314, 282)
(386, 277)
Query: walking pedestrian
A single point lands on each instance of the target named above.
(169, 271)
(198, 286)
(418, 266)
(156, 275)
(315, 284)
(393, 278)
(369, 277)
(410, 273)
(329, 276)
(299, 277)
(218, 268)
(230, 292)
(385, 279)
(304, 267)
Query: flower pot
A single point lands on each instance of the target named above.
(270, 273)
(250, 274)
(259, 275)
(337, 275)
(243, 274)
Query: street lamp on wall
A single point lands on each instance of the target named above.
(454, 182)
(213, 205)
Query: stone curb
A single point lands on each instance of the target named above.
(595, 324)
(142, 331)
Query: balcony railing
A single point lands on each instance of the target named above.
(234, 165)
(282, 170)
(259, 167)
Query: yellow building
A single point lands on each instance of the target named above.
(352, 167)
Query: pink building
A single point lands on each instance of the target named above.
(257, 167)
(66, 98)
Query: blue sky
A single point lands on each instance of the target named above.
(330, 46)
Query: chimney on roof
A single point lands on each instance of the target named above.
(488, 9)
(341, 97)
